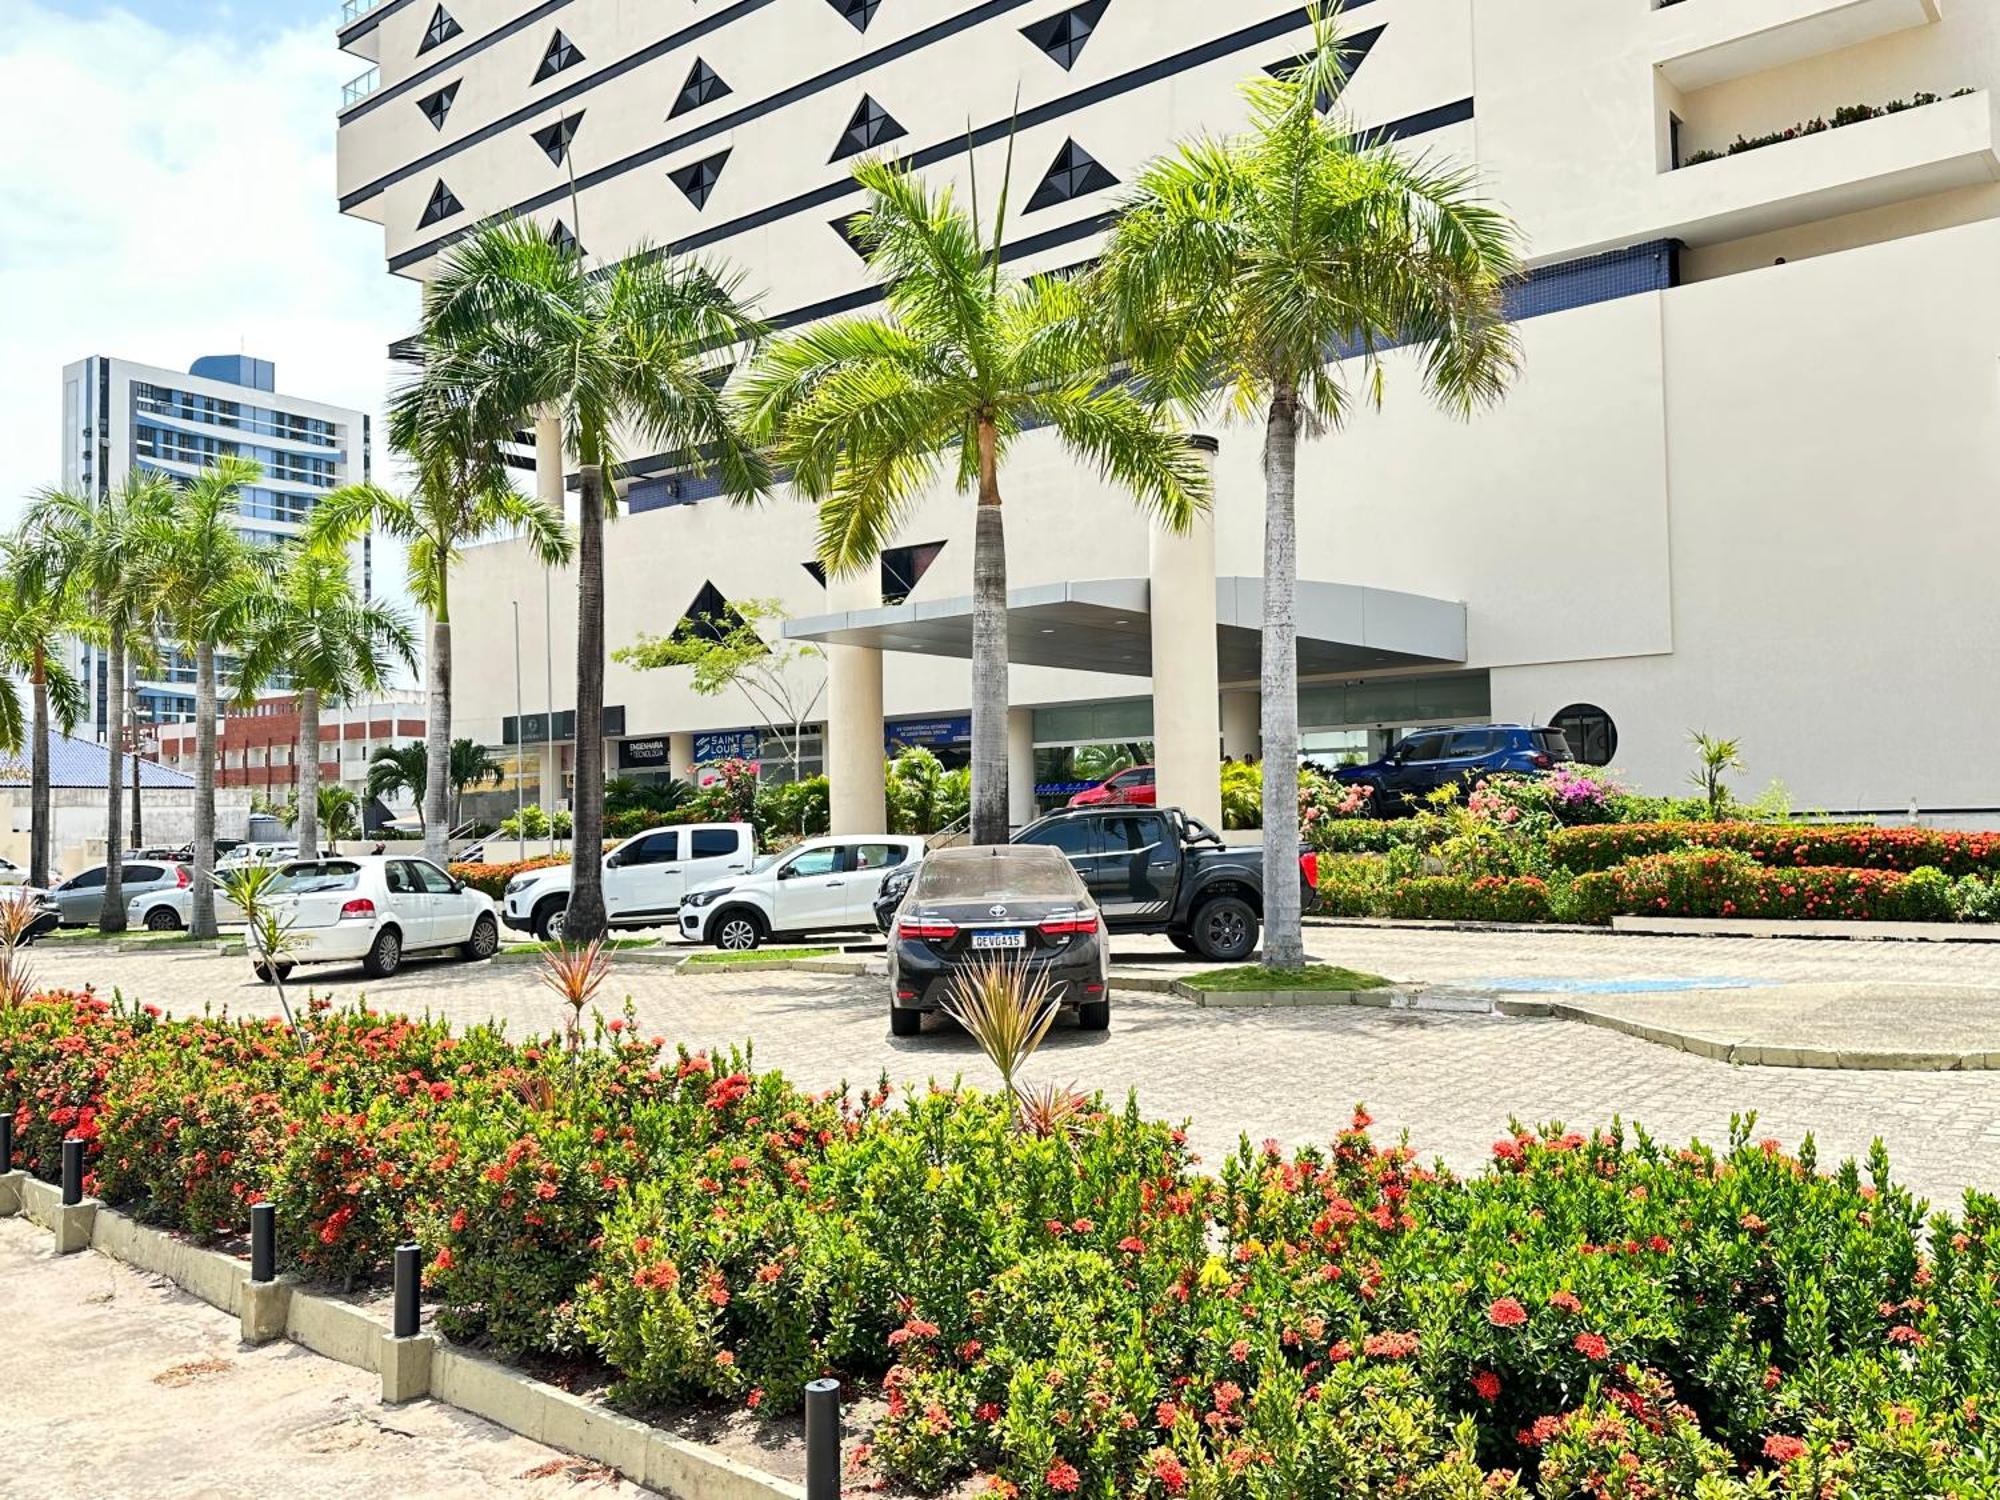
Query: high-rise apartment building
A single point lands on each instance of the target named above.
(120, 417)
(1744, 484)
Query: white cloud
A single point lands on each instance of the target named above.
(169, 194)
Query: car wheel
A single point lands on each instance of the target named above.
(1094, 1015)
(1225, 930)
(163, 919)
(1183, 941)
(485, 938)
(549, 919)
(904, 1022)
(737, 931)
(385, 957)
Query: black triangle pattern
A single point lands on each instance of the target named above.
(844, 227)
(698, 179)
(444, 203)
(1074, 173)
(554, 139)
(1354, 52)
(562, 53)
(704, 86)
(1063, 35)
(858, 12)
(437, 106)
(871, 126)
(565, 240)
(441, 30)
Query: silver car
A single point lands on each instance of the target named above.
(80, 899)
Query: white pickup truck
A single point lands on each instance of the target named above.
(644, 878)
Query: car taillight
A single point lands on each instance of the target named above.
(1068, 926)
(181, 876)
(932, 931)
(1543, 762)
(361, 909)
(1309, 865)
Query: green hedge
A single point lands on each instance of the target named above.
(1454, 898)
(1604, 846)
(1724, 883)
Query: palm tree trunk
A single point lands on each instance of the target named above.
(128, 688)
(38, 778)
(1284, 938)
(437, 744)
(989, 652)
(201, 920)
(308, 772)
(112, 917)
(585, 918)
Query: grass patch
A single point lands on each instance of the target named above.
(759, 955)
(610, 943)
(142, 935)
(1311, 977)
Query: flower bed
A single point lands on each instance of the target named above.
(1080, 1311)
(492, 879)
(1601, 847)
(1489, 898)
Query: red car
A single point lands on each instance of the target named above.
(1133, 787)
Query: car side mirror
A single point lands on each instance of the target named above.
(786, 873)
(612, 861)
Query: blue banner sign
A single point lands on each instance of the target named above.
(735, 744)
(1062, 788)
(931, 733)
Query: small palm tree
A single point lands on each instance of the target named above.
(312, 626)
(869, 412)
(472, 765)
(89, 547)
(399, 768)
(35, 614)
(521, 330)
(338, 815)
(194, 574)
(1279, 269)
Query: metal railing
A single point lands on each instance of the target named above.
(353, 10)
(356, 89)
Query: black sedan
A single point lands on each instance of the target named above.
(1022, 904)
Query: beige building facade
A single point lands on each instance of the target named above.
(1744, 484)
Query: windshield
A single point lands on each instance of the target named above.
(316, 875)
(1022, 873)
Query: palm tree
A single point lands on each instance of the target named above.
(195, 563)
(472, 764)
(89, 547)
(868, 411)
(36, 613)
(400, 768)
(334, 807)
(313, 626)
(1280, 268)
(462, 496)
(516, 325)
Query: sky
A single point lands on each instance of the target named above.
(169, 193)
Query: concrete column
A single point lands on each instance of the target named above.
(858, 801)
(549, 462)
(1186, 717)
(1242, 724)
(550, 759)
(680, 756)
(1020, 766)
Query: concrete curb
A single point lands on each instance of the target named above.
(653, 955)
(831, 964)
(1765, 1055)
(1851, 932)
(410, 1369)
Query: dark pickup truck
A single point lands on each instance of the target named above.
(1152, 870)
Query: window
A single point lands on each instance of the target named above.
(1354, 52)
(704, 86)
(858, 12)
(697, 180)
(554, 139)
(142, 874)
(89, 880)
(711, 617)
(1074, 173)
(562, 53)
(1421, 747)
(564, 240)
(903, 568)
(661, 848)
(442, 206)
(878, 856)
(871, 126)
(432, 878)
(304, 878)
(441, 30)
(813, 862)
(1075, 837)
(1470, 743)
(401, 878)
(1591, 738)
(1133, 833)
(436, 106)
(1062, 36)
(712, 843)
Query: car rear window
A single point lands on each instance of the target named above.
(712, 843)
(316, 875)
(1026, 874)
(1553, 742)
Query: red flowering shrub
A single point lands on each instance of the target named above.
(1725, 883)
(55, 1054)
(493, 878)
(1780, 845)
(1490, 898)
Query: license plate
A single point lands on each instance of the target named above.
(1013, 938)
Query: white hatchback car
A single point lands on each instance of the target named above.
(373, 909)
(822, 885)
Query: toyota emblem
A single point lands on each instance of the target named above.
(996, 911)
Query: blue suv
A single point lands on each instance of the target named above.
(1426, 759)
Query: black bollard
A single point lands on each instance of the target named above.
(6, 1143)
(409, 1278)
(72, 1172)
(263, 1242)
(823, 1440)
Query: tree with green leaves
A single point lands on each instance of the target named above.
(1280, 269)
(89, 548)
(463, 495)
(526, 332)
(869, 413)
(311, 624)
(337, 814)
(36, 612)
(472, 765)
(200, 575)
(404, 769)
(732, 653)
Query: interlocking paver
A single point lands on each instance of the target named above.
(1451, 1081)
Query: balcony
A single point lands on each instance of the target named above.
(1913, 154)
(356, 89)
(1706, 42)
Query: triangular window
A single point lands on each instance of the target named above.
(871, 126)
(818, 571)
(698, 179)
(442, 206)
(844, 227)
(565, 240)
(1354, 52)
(858, 12)
(710, 618)
(562, 54)
(1074, 173)
(1064, 34)
(436, 106)
(704, 86)
(903, 568)
(441, 30)
(554, 139)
